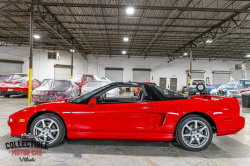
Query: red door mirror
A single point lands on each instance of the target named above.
(92, 103)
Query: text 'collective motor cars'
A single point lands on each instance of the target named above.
(52, 90)
(158, 114)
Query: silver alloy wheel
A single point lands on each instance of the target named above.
(46, 131)
(195, 134)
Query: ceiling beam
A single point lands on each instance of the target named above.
(13, 10)
(125, 6)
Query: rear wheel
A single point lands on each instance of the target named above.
(194, 133)
(48, 129)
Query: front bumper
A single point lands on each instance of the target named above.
(47, 98)
(15, 128)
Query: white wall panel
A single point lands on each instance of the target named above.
(44, 68)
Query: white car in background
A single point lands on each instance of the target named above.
(89, 87)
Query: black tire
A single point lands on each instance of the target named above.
(181, 126)
(199, 85)
(57, 120)
(6, 95)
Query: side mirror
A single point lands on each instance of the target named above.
(149, 98)
(92, 103)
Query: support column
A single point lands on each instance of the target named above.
(190, 70)
(72, 53)
(31, 52)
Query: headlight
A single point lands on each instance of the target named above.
(60, 93)
(11, 120)
(34, 92)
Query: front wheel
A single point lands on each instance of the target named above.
(6, 95)
(194, 133)
(48, 129)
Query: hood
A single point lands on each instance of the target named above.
(52, 89)
(58, 106)
(227, 86)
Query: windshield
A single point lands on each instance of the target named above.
(59, 83)
(45, 82)
(22, 75)
(77, 78)
(196, 82)
(80, 99)
(97, 83)
(168, 93)
(8, 77)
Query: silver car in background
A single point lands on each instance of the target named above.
(89, 87)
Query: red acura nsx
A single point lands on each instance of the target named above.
(157, 114)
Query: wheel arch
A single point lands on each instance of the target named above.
(31, 119)
(202, 114)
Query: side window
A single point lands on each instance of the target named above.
(122, 95)
(88, 78)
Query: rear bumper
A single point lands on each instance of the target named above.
(240, 123)
(14, 92)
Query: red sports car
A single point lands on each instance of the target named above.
(18, 86)
(157, 115)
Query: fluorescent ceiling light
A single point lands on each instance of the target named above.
(209, 41)
(130, 10)
(185, 54)
(36, 36)
(72, 50)
(248, 56)
(125, 39)
(124, 52)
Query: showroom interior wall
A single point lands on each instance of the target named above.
(44, 68)
(160, 67)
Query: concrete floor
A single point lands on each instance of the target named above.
(226, 150)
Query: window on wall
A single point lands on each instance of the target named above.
(114, 74)
(141, 75)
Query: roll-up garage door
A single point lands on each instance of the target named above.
(196, 74)
(114, 74)
(10, 66)
(62, 72)
(221, 77)
(141, 75)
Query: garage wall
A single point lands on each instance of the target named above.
(159, 66)
(44, 68)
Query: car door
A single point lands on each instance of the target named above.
(119, 119)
